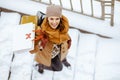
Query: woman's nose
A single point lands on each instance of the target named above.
(54, 21)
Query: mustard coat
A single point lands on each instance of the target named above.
(44, 57)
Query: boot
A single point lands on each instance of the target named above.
(40, 68)
(66, 63)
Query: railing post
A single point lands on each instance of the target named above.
(71, 5)
(103, 10)
(112, 12)
(50, 1)
(92, 8)
(60, 2)
(81, 6)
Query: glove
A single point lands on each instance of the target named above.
(42, 39)
(69, 43)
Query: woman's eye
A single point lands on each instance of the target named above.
(57, 18)
(51, 18)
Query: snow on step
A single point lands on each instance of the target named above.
(5, 62)
(6, 54)
(47, 75)
(21, 68)
(108, 60)
(5, 18)
(85, 60)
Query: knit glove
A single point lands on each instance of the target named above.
(42, 39)
(69, 43)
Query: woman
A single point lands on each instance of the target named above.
(52, 40)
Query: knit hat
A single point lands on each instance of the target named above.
(54, 10)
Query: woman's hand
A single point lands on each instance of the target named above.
(69, 43)
(43, 41)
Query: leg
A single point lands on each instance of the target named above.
(40, 68)
(66, 63)
(56, 63)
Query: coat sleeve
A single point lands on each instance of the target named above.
(40, 40)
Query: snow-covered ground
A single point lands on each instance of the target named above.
(92, 57)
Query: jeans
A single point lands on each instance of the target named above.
(56, 64)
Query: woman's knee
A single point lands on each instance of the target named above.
(58, 68)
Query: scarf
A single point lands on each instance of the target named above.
(55, 35)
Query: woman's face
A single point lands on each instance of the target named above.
(53, 21)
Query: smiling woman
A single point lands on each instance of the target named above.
(52, 48)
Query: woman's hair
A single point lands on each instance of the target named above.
(61, 26)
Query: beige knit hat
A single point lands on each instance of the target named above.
(54, 10)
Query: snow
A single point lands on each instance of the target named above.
(92, 57)
(108, 60)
